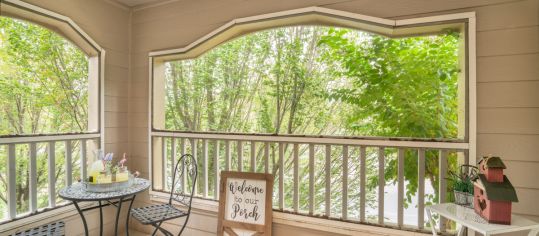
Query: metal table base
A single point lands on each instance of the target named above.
(117, 204)
(78, 193)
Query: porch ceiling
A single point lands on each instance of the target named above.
(135, 3)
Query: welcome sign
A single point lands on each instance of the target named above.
(245, 204)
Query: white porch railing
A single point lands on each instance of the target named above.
(317, 171)
(34, 147)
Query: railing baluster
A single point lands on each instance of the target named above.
(172, 160)
(400, 191)
(253, 156)
(281, 176)
(296, 178)
(52, 173)
(240, 156)
(216, 165)
(205, 166)
(68, 156)
(311, 179)
(362, 179)
(183, 146)
(227, 155)
(381, 184)
(164, 162)
(11, 175)
(83, 163)
(266, 157)
(328, 180)
(443, 170)
(194, 150)
(421, 188)
(33, 178)
(345, 182)
(183, 150)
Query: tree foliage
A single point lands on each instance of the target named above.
(43, 90)
(301, 80)
(310, 80)
(399, 87)
(43, 81)
(267, 82)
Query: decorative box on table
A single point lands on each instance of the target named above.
(493, 193)
(105, 177)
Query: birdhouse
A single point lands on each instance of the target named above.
(492, 168)
(493, 193)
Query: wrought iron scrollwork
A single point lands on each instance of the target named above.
(184, 180)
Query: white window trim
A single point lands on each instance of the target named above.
(387, 27)
(71, 31)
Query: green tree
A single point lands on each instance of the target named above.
(403, 87)
(309, 80)
(43, 90)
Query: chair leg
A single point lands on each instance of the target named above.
(156, 228)
(184, 224)
(164, 231)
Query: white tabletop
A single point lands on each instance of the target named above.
(468, 218)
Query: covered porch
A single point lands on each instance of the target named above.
(326, 183)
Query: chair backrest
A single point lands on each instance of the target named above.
(184, 180)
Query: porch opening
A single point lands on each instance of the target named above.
(356, 126)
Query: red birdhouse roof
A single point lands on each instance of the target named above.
(502, 191)
(492, 162)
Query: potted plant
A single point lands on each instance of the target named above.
(462, 184)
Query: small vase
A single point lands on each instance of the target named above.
(463, 198)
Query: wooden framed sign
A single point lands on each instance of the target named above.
(245, 204)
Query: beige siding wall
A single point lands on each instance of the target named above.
(507, 65)
(108, 25)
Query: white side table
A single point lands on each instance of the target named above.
(467, 218)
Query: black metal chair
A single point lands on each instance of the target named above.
(183, 178)
(52, 229)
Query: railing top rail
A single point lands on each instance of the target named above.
(321, 140)
(46, 138)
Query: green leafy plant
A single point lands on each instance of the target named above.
(462, 185)
(115, 169)
(463, 180)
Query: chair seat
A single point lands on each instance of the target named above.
(156, 213)
(52, 229)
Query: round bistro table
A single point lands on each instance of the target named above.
(77, 193)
